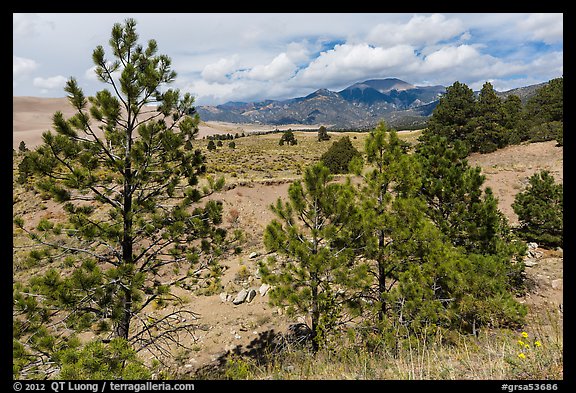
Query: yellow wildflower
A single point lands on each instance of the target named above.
(521, 356)
(521, 343)
(526, 346)
(524, 334)
(537, 343)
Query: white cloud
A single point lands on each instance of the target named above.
(281, 67)
(420, 30)
(54, 82)
(22, 66)
(346, 62)
(26, 25)
(218, 72)
(546, 27)
(449, 57)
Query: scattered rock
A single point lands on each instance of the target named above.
(240, 297)
(253, 255)
(532, 246)
(264, 289)
(224, 297)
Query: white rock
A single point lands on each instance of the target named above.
(530, 263)
(224, 297)
(240, 297)
(253, 255)
(264, 289)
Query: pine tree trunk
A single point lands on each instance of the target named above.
(315, 314)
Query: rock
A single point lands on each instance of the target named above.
(253, 255)
(264, 289)
(532, 246)
(240, 297)
(224, 297)
(560, 250)
(251, 295)
(535, 254)
(558, 283)
(530, 263)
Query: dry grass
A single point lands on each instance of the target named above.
(493, 355)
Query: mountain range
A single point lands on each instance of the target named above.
(360, 105)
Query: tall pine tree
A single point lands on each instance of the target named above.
(127, 179)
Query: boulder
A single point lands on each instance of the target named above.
(251, 294)
(240, 297)
(264, 289)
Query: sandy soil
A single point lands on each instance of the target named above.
(31, 116)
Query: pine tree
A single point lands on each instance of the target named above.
(22, 147)
(488, 132)
(451, 117)
(317, 277)
(128, 184)
(389, 210)
(540, 210)
(512, 119)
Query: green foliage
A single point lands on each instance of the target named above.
(211, 145)
(317, 277)
(323, 134)
(488, 133)
(338, 157)
(288, 138)
(457, 204)
(488, 123)
(540, 210)
(97, 360)
(22, 147)
(451, 117)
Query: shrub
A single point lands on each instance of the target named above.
(339, 156)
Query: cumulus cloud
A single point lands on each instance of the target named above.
(54, 82)
(281, 67)
(22, 66)
(546, 27)
(346, 62)
(449, 57)
(219, 71)
(419, 31)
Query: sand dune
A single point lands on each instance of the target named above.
(31, 116)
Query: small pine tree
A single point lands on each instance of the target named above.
(338, 157)
(232, 145)
(540, 210)
(211, 145)
(22, 147)
(318, 277)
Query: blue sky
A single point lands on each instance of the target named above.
(222, 57)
